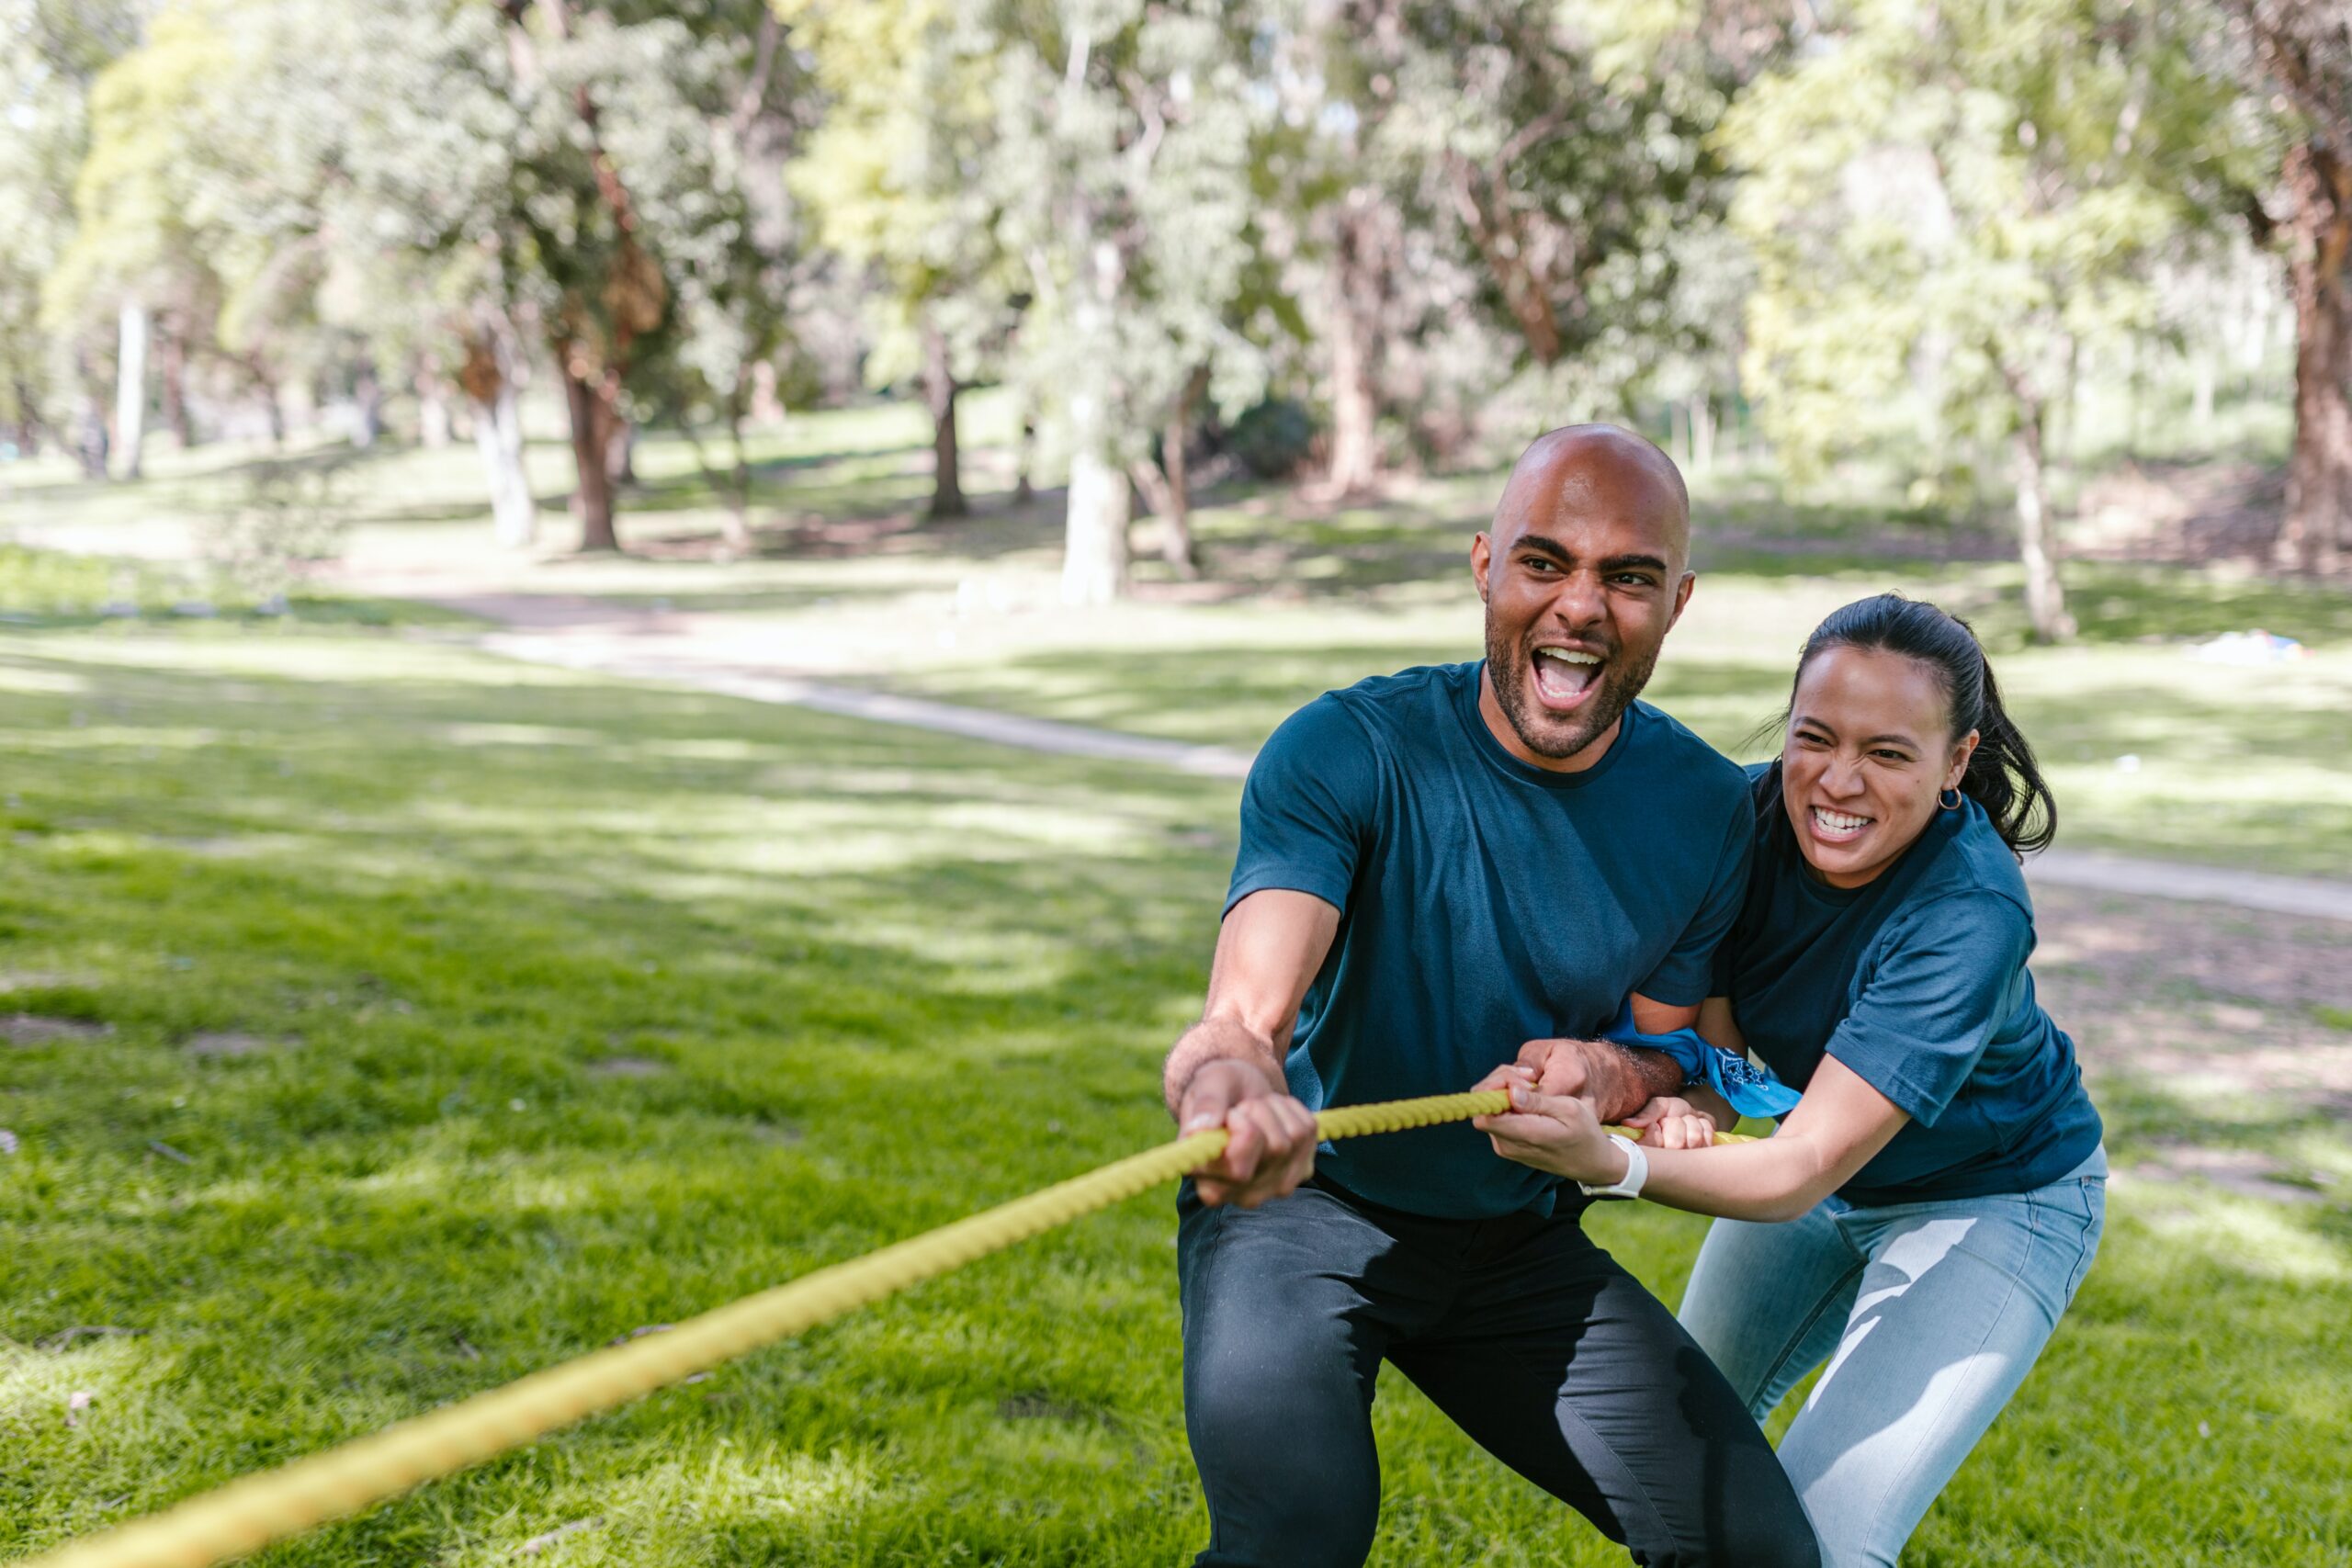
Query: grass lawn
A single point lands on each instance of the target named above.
(416, 1019)
(2152, 751)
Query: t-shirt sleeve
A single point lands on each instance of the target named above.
(1686, 975)
(1307, 810)
(1945, 981)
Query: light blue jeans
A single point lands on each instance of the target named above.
(1929, 1315)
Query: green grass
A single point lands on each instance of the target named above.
(575, 1007)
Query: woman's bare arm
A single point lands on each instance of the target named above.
(1836, 1129)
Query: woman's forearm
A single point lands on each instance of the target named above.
(1770, 1179)
(1835, 1130)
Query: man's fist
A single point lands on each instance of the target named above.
(1600, 1073)
(1272, 1146)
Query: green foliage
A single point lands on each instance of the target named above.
(1945, 202)
(897, 170)
(1122, 175)
(1272, 438)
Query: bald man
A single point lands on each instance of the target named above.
(1441, 871)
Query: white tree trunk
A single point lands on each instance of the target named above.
(1095, 531)
(2045, 600)
(1094, 540)
(432, 411)
(131, 388)
(498, 432)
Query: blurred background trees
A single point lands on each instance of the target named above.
(1932, 249)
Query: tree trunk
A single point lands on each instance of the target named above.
(735, 524)
(1164, 485)
(939, 396)
(1025, 458)
(432, 406)
(498, 434)
(171, 361)
(1094, 523)
(1701, 415)
(2045, 600)
(91, 438)
(492, 379)
(767, 405)
(131, 388)
(738, 512)
(368, 403)
(272, 405)
(2313, 533)
(1355, 285)
(621, 451)
(595, 423)
(1094, 539)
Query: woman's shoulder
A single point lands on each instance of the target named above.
(1975, 858)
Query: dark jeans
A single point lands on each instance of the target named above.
(1532, 1339)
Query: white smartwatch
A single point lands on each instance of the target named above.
(1637, 1170)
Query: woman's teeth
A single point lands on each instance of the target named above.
(1839, 824)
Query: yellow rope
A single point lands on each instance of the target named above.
(252, 1512)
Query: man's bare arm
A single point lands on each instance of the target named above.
(1226, 1070)
(1615, 1080)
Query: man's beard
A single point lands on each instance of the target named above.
(1561, 736)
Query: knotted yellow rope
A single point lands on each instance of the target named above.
(249, 1513)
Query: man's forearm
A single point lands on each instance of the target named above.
(1211, 1040)
(1653, 1073)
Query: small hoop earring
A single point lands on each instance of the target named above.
(1949, 799)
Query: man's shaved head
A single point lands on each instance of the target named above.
(1587, 459)
(1584, 568)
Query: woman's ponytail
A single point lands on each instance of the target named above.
(2002, 776)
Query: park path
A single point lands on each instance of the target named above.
(675, 647)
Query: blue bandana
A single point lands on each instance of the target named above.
(1752, 1090)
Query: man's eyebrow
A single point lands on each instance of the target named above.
(1561, 553)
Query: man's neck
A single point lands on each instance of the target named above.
(1498, 724)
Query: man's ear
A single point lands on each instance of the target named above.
(1681, 597)
(1482, 555)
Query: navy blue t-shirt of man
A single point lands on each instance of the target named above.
(1484, 903)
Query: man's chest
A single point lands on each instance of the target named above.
(1551, 905)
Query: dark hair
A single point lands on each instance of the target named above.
(2002, 776)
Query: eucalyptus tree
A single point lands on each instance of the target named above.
(1122, 177)
(49, 52)
(2296, 56)
(131, 240)
(1943, 200)
(897, 172)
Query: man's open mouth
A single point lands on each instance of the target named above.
(1565, 676)
(1837, 827)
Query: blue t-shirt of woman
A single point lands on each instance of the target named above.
(1916, 980)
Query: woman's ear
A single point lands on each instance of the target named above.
(1960, 758)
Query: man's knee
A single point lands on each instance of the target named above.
(1305, 1517)
(1762, 1526)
